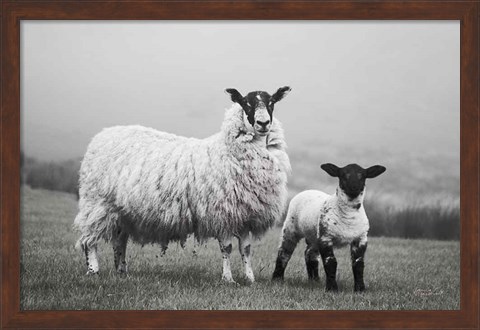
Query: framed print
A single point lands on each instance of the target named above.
(205, 164)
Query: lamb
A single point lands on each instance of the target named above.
(153, 187)
(327, 221)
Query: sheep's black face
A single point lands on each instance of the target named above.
(258, 107)
(352, 177)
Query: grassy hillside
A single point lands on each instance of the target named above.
(400, 273)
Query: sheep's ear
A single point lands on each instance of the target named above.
(235, 95)
(330, 169)
(374, 171)
(280, 94)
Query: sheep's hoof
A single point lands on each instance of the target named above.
(229, 281)
(249, 276)
(91, 273)
(122, 268)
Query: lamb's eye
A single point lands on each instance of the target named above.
(359, 175)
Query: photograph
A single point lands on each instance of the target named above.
(240, 165)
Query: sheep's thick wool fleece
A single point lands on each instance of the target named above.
(163, 187)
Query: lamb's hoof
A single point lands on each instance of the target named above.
(331, 287)
(250, 281)
(122, 273)
(277, 275)
(359, 288)
(91, 273)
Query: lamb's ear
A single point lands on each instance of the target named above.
(235, 95)
(280, 94)
(330, 169)
(374, 171)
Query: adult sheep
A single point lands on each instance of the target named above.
(328, 221)
(155, 187)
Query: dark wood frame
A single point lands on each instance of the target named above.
(467, 12)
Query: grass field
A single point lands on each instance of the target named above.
(400, 273)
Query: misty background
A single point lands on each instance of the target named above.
(379, 92)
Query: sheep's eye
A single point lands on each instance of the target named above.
(359, 175)
(248, 108)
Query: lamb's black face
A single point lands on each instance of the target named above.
(352, 180)
(352, 177)
(258, 107)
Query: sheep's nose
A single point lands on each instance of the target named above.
(263, 123)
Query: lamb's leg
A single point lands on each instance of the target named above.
(119, 242)
(311, 260)
(226, 249)
(92, 260)
(329, 264)
(244, 247)
(357, 252)
(288, 243)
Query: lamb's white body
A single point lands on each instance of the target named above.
(313, 215)
(328, 221)
(155, 187)
(325, 221)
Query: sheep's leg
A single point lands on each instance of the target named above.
(288, 245)
(226, 249)
(163, 248)
(244, 246)
(311, 261)
(91, 221)
(119, 242)
(357, 252)
(195, 247)
(329, 265)
(92, 260)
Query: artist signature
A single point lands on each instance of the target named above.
(427, 292)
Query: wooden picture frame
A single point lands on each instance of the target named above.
(12, 12)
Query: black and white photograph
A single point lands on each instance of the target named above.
(240, 165)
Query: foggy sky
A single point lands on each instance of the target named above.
(363, 85)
